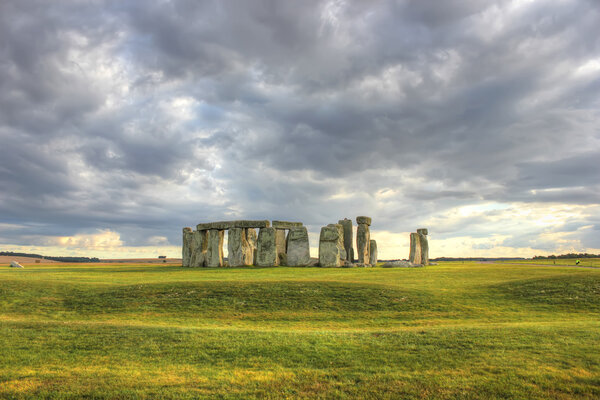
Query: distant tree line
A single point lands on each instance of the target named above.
(52, 258)
(568, 255)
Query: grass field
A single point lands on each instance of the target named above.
(584, 262)
(151, 331)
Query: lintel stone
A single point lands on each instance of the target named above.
(363, 220)
(221, 225)
(286, 224)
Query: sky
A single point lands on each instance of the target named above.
(121, 122)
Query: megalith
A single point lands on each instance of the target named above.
(266, 249)
(240, 252)
(280, 246)
(373, 252)
(340, 242)
(199, 249)
(252, 238)
(424, 245)
(415, 248)
(348, 238)
(214, 252)
(298, 250)
(363, 238)
(329, 249)
(186, 248)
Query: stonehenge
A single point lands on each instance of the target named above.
(286, 243)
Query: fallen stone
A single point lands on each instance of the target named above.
(286, 224)
(14, 264)
(222, 225)
(348, 236)
(373, 252)
(266, 251)
(363, 220)
(298, 250)
(199, 249)
(363, 237)
(186, 248)
(240, 252)
(214, 252)
(400, 264)
(415, 248)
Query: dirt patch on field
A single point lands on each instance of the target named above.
(26, 260)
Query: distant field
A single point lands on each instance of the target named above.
(161, 331)
(560, 261)
(25, 260)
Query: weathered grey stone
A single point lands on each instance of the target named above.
(373, 252)
(424, 246)
(14, 264)
(252, 239)
(415, 248)
(340, 240)
(280, 245)
(329, 249)
(186, 248)
(298, 250)
(399, 264)
(214, 252)
(199, 249)
(221, 225)
(286, 224)
(240, 252)
(363, 237)
(266, 252)
(348, 236)
(363, 220)
(422, 231)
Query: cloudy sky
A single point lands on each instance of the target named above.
(123, 121)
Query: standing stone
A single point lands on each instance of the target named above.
(298, 250)
(199, 249)
(373, 252)
(342, 250)
(329, 249)
(280, 245)
(240, 252)
(252, 239)
(363, 237)
(424, 245)
(266, 250)
(348, 236)
(186, 248)
(214, 252)
(415, 248)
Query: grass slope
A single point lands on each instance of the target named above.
(449, 331)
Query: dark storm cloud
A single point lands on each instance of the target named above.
(143, 117)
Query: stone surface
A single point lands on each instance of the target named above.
(266, 250)
(399, 264)
(298, 250)
(14, 264)
(199, 249)
(373, 252)
(415, 248)
(239, 250)
(348, 236)
(422, 231)
(214, 251)
(363, 220)
(252, 238)
(186, 248)
(363, 238)
(222, 225)
(280, 245)
(424, 247)
(340, 240)
(286, 224)
(329, 249)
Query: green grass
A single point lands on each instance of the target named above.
(583, 262)
(449, 331)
